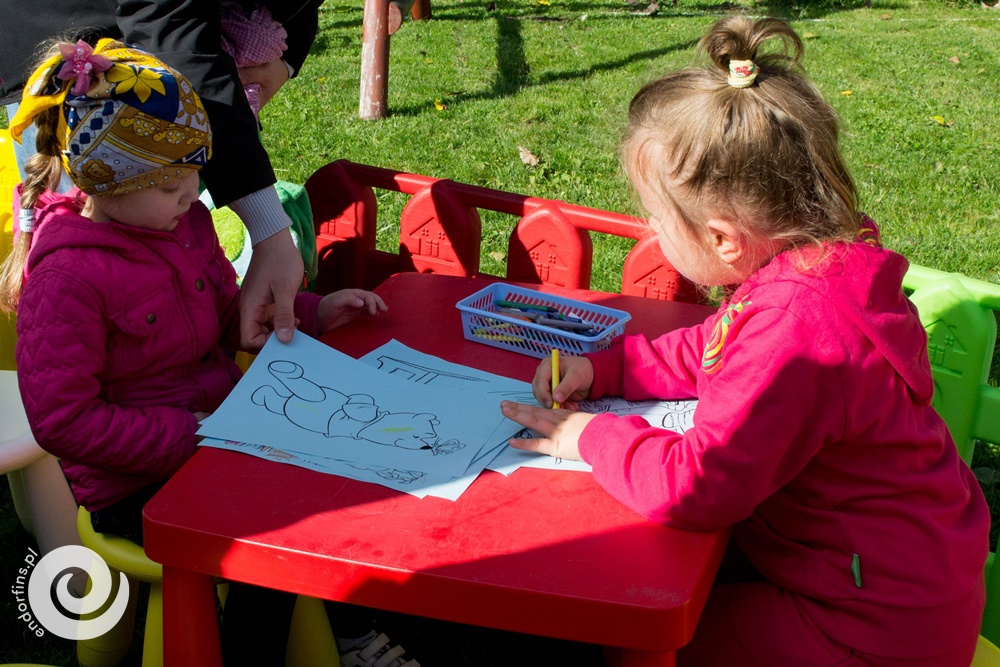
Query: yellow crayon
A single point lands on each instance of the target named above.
(555, 376)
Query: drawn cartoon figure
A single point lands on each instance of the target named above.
(392, 474)
(337, 415)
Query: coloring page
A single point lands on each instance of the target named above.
(309, 400)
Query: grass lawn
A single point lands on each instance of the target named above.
(915, 83)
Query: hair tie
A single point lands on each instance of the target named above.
(741, 73)
(26, 218)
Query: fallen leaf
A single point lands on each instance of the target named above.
(939, 166)
(439, 105)
(428, 60)
(498, 256)
(885, 17)
(938, 119)
(847, 93)
(583, 17)
(542, 2)
(953, 59)
(527, 157)
(808, 35)
(321, 79)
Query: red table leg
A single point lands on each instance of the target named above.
(374, 60)
(190, 624)
(623, 657)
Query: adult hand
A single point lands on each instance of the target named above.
(270, 76)
(560, 429)
(576, 377)
(272, 279)
(344, 305)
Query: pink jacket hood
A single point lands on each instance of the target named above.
(864, 284)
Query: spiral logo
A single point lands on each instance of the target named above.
(55, 570)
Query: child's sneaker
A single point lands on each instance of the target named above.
(373, 651)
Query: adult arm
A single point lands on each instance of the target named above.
(300, 19)
(187, 35)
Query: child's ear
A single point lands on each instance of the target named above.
(727, 240)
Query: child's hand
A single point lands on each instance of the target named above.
(344, 305)
(576, 377)
(561, 429)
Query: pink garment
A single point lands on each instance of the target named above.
(815, 439)
(121, 334)
(251, 39)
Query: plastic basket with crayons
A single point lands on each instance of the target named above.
(533, 323)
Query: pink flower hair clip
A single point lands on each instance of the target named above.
(81, 63)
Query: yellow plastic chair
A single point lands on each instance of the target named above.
(9, 178)
(987, 654)
(310, 643)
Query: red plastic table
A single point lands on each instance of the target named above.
(540, 551)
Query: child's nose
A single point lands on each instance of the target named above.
(190, 188)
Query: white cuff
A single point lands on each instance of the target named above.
(262, 214)
(291, 70)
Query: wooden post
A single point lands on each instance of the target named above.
(397, 12)
(421, 10)
(374, 60)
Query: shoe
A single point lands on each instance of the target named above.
(376, 652)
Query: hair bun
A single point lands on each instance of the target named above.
(733, 45)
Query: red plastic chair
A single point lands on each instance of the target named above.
(441, 232)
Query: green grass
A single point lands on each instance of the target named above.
(914, 82)
(556, 79)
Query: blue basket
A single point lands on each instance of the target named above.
(483, 323)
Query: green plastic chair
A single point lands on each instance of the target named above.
(959, 314)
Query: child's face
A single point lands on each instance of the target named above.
(157, 209)
(694, 258)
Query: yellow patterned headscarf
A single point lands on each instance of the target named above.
(127, 121)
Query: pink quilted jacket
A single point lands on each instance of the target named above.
(121, 333)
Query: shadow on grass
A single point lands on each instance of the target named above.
(513, 72)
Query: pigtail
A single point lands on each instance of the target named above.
(42, 172)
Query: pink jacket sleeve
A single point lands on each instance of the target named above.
(62, 342)
(767, 409)
(664, 368)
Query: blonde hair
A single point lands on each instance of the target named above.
(41, 172)
(765, 154)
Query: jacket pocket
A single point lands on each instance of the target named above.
(147, 315)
